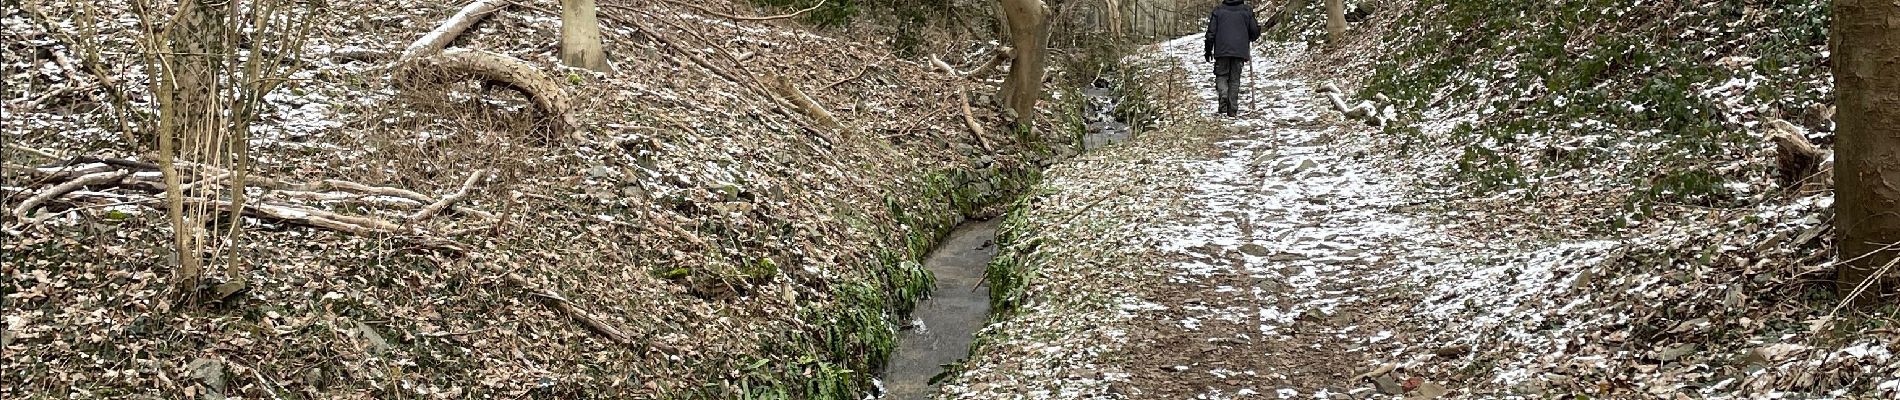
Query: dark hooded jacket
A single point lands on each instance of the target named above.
(1231, 30)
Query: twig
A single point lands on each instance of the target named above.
(561, 303)
(433, 209)
(34, 151)
(268, 386)
(853, 77)
(1866, 283)
(62, 189)
(821, 3)
(454, 334)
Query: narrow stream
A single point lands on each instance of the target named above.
(946, 322)
(944, 325)
(1103, 127)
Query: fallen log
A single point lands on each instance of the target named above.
(437, 39)
(26, 207)
(810, 107)
(1000, 55)
(513, 73)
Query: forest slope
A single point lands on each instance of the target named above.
(738, 246)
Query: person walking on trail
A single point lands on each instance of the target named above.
(1231, 30)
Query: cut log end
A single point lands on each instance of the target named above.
(1796, 158)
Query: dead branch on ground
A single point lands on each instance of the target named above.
(437, 39)
(432, 209)
(561, 303)
(810, 107)
(969, 118)
(1000, 55)
(99, 178)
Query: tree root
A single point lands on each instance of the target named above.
(464, 65)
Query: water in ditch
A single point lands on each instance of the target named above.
(1104, 128)
(944, 324)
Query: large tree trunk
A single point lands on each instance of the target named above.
(580, 36)
(1335, 20)
(1028, 23)
(1866, 41)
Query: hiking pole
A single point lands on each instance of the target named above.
(1253, 82)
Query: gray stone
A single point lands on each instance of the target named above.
(1387, 385)
(1254, 250)
(601, 172)
(376, 341)
(1430, 390)
(1734, 299)
(1676, 352)
(209, 370)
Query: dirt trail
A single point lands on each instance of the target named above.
(1291, 253)
(1272, 257)
(1256, 250)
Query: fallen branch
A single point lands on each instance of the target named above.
(1364, 111)
(969, 118)
(432, 209)
(853, 77)
(513, 73)
(437, 39)
(377, 190)
(359, 225)
(418, 198)
(1000, 54)
(561, 303)
(34, 151)
(805, 103)
(99, 178)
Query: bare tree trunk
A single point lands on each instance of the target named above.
(1335, 20)
(1028, 22)
(580, 36)
(1114, 10)
(1866, 47)
(188, 123)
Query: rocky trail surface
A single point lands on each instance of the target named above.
(1283, 254)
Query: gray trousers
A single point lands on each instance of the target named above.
(1227, 72)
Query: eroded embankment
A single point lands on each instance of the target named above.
(738, 247)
